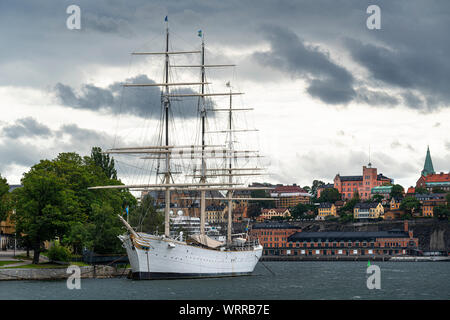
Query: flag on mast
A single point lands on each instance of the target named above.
(200, 34)
(165, 19)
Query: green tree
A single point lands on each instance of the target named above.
(442, 212)
(410, 204)
(421, 190)
(349, 206)
(437, 190)
(397, 191)
(5, 199)
(329, 195)
(55, 202)
(145, 217)
(315, 185)
(255, 206)
(377, 198)
(104, 161)
(45, 207)
(300, 210)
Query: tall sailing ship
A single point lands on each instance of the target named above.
(154, 256)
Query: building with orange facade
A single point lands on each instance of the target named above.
(273, 236)
(360, 243)
(289, 196)
(429, 179)
(435, 180)
(349, 185)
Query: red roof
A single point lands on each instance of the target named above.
(284, 189)
(411, 190)
(438, 177)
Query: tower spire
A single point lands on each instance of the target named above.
(428, 166)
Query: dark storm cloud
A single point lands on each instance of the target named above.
(138, 101)
(406, 60)
(68, 138)
(376, 98)
(27, 127)
(327, 81)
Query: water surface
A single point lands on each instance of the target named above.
(291, 280)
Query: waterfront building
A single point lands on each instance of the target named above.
(361, 243)
(371, 210)
(289, 196)
(267, 214)
(363, 184)
(273, 236)
(326, 209)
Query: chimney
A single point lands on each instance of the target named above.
(405, 226)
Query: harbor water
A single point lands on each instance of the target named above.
(270, 281)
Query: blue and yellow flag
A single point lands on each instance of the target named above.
(165, 19)
(200, 34)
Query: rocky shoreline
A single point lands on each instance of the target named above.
(97, 271)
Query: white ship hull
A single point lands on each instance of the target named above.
(168, 258)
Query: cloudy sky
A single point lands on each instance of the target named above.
(325, 89)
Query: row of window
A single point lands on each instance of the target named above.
(349, 244)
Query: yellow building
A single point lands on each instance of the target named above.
(395, 203)
(275, 212)
(371, 210)
(326, 209)
(216, 214)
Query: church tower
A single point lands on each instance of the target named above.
(428, 166)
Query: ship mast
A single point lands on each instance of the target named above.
(203, 116)
(230, 172)
(166, 118)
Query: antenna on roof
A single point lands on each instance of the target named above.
(369, 165)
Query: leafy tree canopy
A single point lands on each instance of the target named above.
(397, 191)
(5, 199)
(55, 202)
(329, 195)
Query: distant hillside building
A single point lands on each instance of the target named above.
(429, 179)
(372, 210)
(267, 214)
(289, 196)
(326, 209)
(435, 180)
(348, 185)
